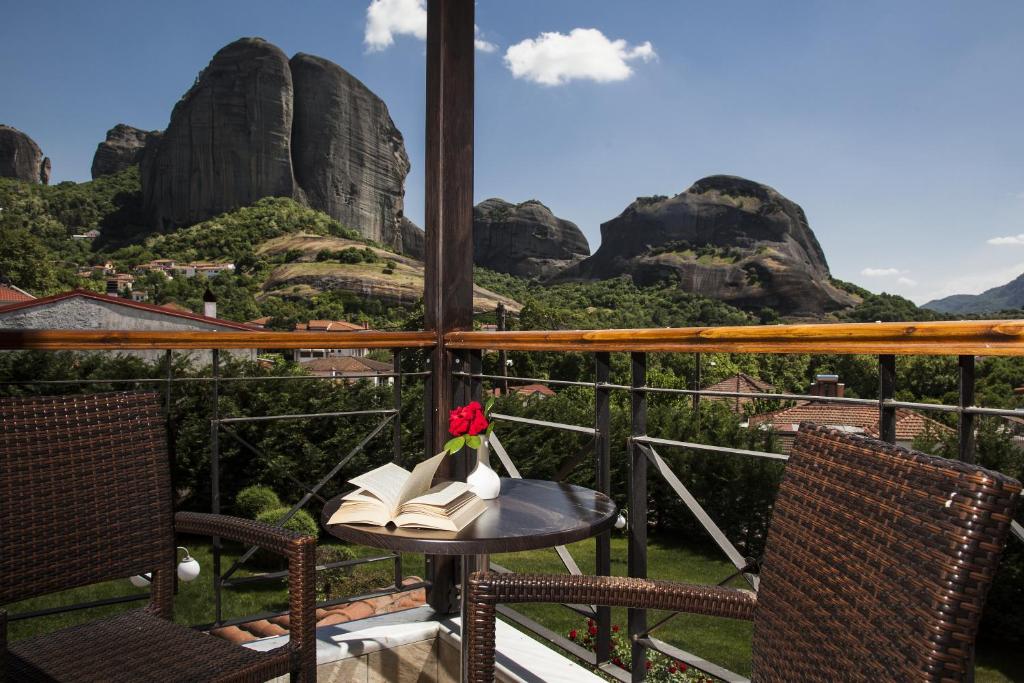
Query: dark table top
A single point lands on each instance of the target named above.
(528, 514)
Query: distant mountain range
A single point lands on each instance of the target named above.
(1010, 295)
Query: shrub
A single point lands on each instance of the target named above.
(332, 583)
(659, 667)
(301, 521)
(252, 500)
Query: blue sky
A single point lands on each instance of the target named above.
(896, 125)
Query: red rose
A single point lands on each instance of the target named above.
(681, 666)
(572, 634)
(617, 662)
(478, 425)
(647, 665)
(458, 422)
(615, 628)
(592, 630)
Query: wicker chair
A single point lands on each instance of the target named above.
(876, 568)
(85, 496)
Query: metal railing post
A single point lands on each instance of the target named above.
(396, 403)
(886, 392)
(603, 476)
(637, 518)
(215, 479)
(967, 420)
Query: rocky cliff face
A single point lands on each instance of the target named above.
(229, 139)
(21, 158)
(726, 238)
(256, 124)
(525, 239)
(122, 148)
(349, 158)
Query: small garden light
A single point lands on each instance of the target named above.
(188, 570)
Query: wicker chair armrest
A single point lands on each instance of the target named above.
(300, 550)
(275, 539)
(488, 589)
(615, 591)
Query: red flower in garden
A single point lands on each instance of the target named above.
(647, 665)
(468, 419)
(615, 628)
(572, 634)
(617, 662)
(681, 666)
(592, 630)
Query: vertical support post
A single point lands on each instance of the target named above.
(696, 387)
(168, 396)
(215, 478)
(603, 470)
(886, 391)
(637, 560)
(967, 420)
(503, 354)
(396, 404)
(448, 218)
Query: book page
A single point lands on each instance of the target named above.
(440, 495)
(419, 481)
(386, 482)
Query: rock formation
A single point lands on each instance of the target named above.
(122, 148)
(349, 158)
(725, 237)
(256, 125)
(525, 239)
(21, 158)
(229, 139)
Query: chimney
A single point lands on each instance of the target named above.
(827, 385)
(209, 304)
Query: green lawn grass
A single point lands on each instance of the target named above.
(723, 641)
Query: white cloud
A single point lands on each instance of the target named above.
(387, 18)
(1012, 240)
(584, 54)
(880, 272)
(481, 44)
(906, 282)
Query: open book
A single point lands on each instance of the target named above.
(393, 495)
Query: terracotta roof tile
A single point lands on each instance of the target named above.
(10, 295)
(909, 424)
(346, 364)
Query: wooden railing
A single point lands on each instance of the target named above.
(118, 340)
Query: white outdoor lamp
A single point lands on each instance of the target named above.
(188, 570)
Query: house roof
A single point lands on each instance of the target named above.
(909, 423)
(742, 382)
(329, 326)
(128, 303)
(9, 294)
(346, 364)
(534, 389)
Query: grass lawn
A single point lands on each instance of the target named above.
(723, 641)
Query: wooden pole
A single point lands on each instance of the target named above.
(448, 295)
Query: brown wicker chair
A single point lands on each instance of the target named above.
(85, 496)
(876, 568)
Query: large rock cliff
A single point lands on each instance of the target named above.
(122, 148)
(725, 237)
(229, 139)
(348, 156)
(21, 158)
(256, 124)
(525, 239)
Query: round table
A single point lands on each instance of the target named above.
(528, 514)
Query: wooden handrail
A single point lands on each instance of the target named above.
(116, 340)
(971, 337)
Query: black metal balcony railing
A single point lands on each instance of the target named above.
(885, 341)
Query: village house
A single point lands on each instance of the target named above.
(340, 326)
(82, 309)
(368, 368)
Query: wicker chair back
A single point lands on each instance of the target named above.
(877, 562)
(85, 493)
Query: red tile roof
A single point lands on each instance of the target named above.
(530, 389)
(128, 303)
(740, 382)
(909, 424)
(11, 295)
(329, 326)
(346, 364)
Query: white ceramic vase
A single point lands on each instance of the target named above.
(483, 481)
